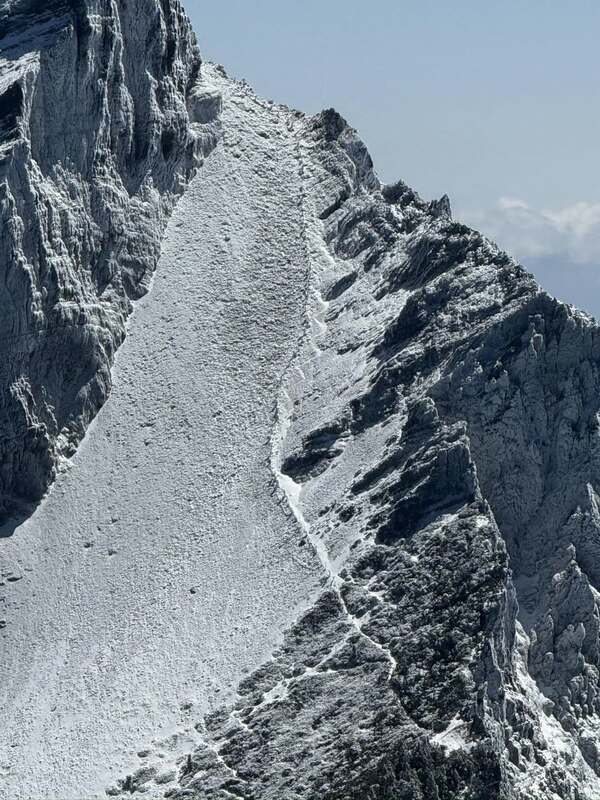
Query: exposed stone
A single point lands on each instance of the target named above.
(96, 142)
(436, 438)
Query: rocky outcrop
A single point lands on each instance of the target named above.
(103, 119)
(436, 436)
(438, 439)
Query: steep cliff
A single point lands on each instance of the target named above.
(357, 376)
(102, 122)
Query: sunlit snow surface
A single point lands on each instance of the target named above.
(163, 565)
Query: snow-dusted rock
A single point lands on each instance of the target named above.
(439, 430)
(96, 141)
(434, 436)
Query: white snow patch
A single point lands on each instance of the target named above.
(162, 565)
(454, 737)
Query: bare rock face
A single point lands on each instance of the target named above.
(439, 426)
(436, 437)
(97, 138)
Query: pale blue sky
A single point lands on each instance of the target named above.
(482, 100)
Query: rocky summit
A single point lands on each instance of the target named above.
(320, 519)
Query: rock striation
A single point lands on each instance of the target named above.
(438, 432)
(436, 435)
(103, 120)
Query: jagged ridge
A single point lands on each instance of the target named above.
(465, 399)
(437, 438)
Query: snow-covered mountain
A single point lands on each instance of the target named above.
(333, 531)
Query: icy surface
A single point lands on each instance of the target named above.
(163, 566)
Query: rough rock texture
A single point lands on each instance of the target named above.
(169, 513)
(102, 121)
(436, 440)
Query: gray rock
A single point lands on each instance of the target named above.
(100, 128)
(456, 450)
(436, 440)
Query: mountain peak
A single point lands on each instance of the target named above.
(333, 530)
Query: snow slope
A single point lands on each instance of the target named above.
(162, 566)
(336, 532)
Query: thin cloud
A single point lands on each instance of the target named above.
(525, 232)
